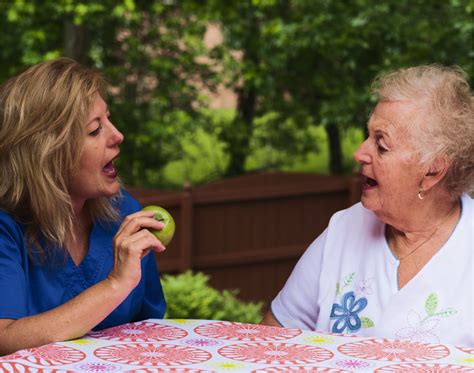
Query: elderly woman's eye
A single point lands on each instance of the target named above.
(380, 147)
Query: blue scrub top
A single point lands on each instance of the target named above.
(28, 288)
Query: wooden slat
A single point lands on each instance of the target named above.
(265, 192)
(256, 256)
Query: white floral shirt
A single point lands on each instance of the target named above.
(346, 282)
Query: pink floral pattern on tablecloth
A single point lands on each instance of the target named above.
(245, 332)
(298, 369)
(13, 367)
(49, 355)
(275, 353)
(467, 350)
(96, 367)
(393, 350)
(142, 331)
(424, 367)
(352, 364)
(201, 342)
(152, 354)
(169, 370)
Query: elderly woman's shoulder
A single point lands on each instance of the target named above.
(468, 206)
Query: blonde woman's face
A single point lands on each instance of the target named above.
(392, 175)
(96, 175)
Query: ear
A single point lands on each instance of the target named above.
(436, 172)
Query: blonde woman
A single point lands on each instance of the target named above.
(73, 254)
(400, 264)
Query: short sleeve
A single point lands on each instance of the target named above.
(13, 288)
(296, 305)
(154, 304)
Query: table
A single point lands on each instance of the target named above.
(197, 346)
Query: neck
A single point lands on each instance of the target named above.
(423, 228)
(81, 219)
(424, 216)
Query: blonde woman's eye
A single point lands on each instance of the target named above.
(96, 131)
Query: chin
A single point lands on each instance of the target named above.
(368, 203)
(111, 190)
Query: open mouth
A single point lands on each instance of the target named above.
(369, 182)
(109, 169)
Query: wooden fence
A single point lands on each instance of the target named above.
(248, 232)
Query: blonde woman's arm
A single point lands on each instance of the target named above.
(79, 315)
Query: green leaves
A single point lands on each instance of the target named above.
(297, 66)
(348, 279)
(189, 296)
(346, 282)
(431, 304)
(366, 322)
(446, 312)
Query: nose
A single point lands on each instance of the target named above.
(116, 137)
(361, 155)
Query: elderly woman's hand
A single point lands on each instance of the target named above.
(131, 244)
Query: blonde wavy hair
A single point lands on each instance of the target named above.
(43, 112)
(444, 123)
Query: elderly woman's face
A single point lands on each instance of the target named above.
(391, 173)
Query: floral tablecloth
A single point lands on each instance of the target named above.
(221, 346)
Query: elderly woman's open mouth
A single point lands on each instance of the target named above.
(369, 183)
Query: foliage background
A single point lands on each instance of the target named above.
(300, 71)
(189, 296)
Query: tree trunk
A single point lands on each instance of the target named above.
(239, 141)
(335, 152)
(76, 41)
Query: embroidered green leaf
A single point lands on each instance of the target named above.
(431, 304)
(366, 322)
(348, 279)
(446, 313)
(338, 289)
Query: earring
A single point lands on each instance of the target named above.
(420, 194)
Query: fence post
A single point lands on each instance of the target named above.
(186, 229)
(355, 181)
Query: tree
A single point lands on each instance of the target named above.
(311, 62)
(149, 52)
(294, 64)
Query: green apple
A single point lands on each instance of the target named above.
(165, 234)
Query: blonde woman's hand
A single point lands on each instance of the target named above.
(131, 243)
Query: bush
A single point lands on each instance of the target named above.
(189, 296)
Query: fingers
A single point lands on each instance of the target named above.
(135, 222)
(138, 242)
(145, 240)
(129, 250)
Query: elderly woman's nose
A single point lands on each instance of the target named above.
(361, 155)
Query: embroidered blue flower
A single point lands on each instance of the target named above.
(346, 313)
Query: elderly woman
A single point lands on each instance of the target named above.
(401, 263)
(73, 256)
